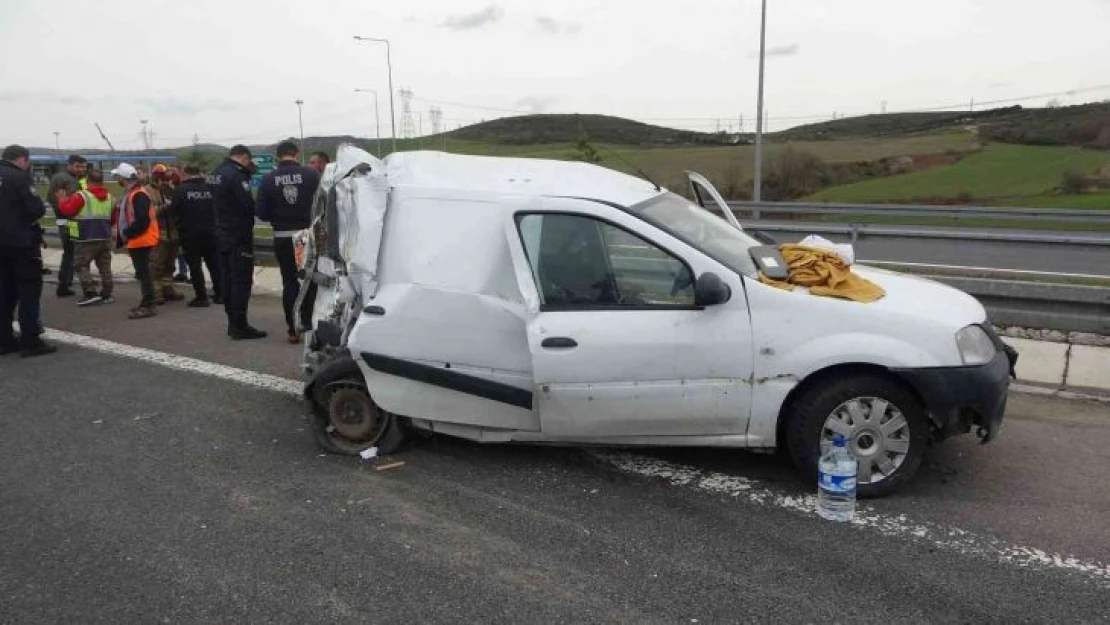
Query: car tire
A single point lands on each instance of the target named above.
(341, 381)
(892, 442)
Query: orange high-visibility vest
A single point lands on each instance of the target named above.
(148, 238)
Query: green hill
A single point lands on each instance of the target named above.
(1080, 125)
(544, 129)
(1000, 173)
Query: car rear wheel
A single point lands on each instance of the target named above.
(348, 421)
(883, 422)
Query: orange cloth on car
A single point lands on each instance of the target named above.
(825, 273)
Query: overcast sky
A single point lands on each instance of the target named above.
(230, 70)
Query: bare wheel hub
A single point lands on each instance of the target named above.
(353, 415)
(877, 432)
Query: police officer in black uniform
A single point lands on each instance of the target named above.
(285, 200)
(234, 209)
(20, 255)
(196, 222)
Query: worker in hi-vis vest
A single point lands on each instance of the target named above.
(89, 219)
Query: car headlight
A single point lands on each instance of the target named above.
(976, 348)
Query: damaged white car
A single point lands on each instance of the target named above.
(534, 301)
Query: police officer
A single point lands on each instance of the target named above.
(20, 255)
(192, 210)
(234, 210)
(285, 200)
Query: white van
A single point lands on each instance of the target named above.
(526, 300)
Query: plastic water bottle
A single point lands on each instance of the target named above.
(836, 483)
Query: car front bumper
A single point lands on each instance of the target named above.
(961, 397)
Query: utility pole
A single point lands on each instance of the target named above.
(57, 142)
(377, 119)
(389, 65)
(884, 107)
(435, 116)
(408, 129)
(757, 192)
(300, 122)
(145, 136)
(971, 107)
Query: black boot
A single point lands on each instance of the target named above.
(245, 333)
(239, 330)
(36, 347)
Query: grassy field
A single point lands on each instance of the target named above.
(722, 164)
(1006, 175)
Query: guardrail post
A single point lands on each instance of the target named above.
(855, 233)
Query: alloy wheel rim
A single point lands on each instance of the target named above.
(876, 432)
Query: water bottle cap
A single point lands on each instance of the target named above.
(839, 441)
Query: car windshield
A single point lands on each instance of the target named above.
(701, 229)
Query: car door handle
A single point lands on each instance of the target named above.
(559, 342)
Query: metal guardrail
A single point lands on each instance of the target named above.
(1064, 307)
(857, 230)
(759, 209)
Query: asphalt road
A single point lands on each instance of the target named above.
(134, 492)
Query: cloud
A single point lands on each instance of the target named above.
(787, 50)
(553, 26)
(468, 21)
(535, 104)
(183, 106)
(43, 97)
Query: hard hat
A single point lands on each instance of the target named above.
(160, 168)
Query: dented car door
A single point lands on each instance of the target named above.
(619, 346)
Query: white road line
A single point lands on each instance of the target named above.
(753, 491)
(941, 536)
(181, 363)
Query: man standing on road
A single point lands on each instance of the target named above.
(285, 200)
(89, 212)
(234, 209)
(138, 229)
(163, 257)
(70, 181)
(192, 208)
(20, 255)
(318, 161)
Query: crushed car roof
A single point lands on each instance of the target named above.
(515, 176)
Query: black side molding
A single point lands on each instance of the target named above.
(450, 379)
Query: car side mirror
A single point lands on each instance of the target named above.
(711, 290)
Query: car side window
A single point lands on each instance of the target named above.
(582, 262)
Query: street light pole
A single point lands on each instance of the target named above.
(757, 193)
(57, 142)
(300, 122)
(389, 66)
(377, 119)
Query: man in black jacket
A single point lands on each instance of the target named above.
(192, 210)
(234, 210)
(285, 200)
(20, 255)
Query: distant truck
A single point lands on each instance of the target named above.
(524, 300)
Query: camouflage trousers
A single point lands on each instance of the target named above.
(162, 263)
